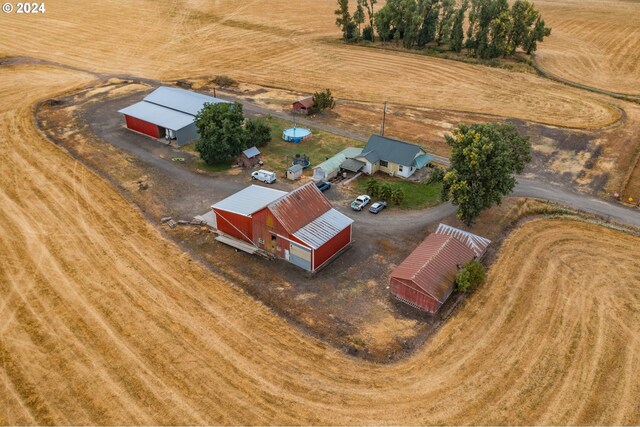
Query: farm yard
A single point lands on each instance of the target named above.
(109, 318)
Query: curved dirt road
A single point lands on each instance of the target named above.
(105, 322)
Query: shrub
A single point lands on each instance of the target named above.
(323, 100)
(257, 132)
(367, 33)
(373, 187)
(470, 276)
(224, 81)
(437, 175)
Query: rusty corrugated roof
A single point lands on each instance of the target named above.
(433, 265)
(306, 102)
(300, 207)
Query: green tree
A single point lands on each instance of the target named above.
(484, 159)
(397, 195)
(257, 132)
(358, 18)
(457, 33)
(386, 190)
(222, 136)
(523, 16)
(373, 187)
(323, 100)
(445, 21)
(539, 32)
(345, 21)
(368, 5)
(470, 276)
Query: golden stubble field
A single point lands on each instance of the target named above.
(594, 43)
(105, 322)
(284, 44)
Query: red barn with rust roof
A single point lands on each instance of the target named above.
(304, 106)
(301, 226)
(426, 278)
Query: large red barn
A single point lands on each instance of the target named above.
(301, 226)
(426, 278)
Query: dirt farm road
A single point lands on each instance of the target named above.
(201, 191)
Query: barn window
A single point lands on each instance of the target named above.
(273, 237)
(384, 164)
(400, 168)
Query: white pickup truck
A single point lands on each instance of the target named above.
(267, 177)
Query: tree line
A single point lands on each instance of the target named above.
(494, 28)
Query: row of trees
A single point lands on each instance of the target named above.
(494, 28)
(386, 191)
(224, 132)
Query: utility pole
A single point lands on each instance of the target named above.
(384, 116)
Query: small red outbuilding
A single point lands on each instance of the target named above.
(304, 106)
(426, 278)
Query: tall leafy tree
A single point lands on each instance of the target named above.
(539, 32)
(523, 16)
(368, 5)
(445, 21)
(484, 160)
(345, 21)
(222, 136)
(457, 32)
(358, 18)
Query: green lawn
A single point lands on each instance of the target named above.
(416, 196)
(277, 155)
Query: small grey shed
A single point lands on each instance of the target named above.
(294, 172)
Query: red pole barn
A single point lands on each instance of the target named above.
(301, 226)
(425, 279)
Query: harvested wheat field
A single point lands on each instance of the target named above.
(105, 322)
(594, 43)
(274, 43)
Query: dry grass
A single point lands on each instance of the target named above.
(275, 43)
(105, 322)
(594, 43)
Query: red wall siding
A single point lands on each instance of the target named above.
(234, 225)
(410, 293)
(265, 225)
(326, 251)
(142, 126)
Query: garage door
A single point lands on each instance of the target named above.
(300, 256)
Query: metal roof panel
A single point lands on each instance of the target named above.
(476, 243)
(433, 265)
(161, 116)
(300, 207)
(324, 228)
(181, 100)
(249, 200)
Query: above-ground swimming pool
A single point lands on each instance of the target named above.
(296, 134)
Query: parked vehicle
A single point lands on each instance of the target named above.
(360, 202)
(265, 176)
(377, 206)
(323, 185)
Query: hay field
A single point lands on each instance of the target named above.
(594, 43)
(105, 322)
(284, 44)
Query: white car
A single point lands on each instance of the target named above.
(360, 202)
(265, 176)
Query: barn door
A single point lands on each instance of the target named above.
(300, 256)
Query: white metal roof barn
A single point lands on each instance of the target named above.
(168, 112)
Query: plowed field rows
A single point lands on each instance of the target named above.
(594, 43)
(102, 321)
(282, 43)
